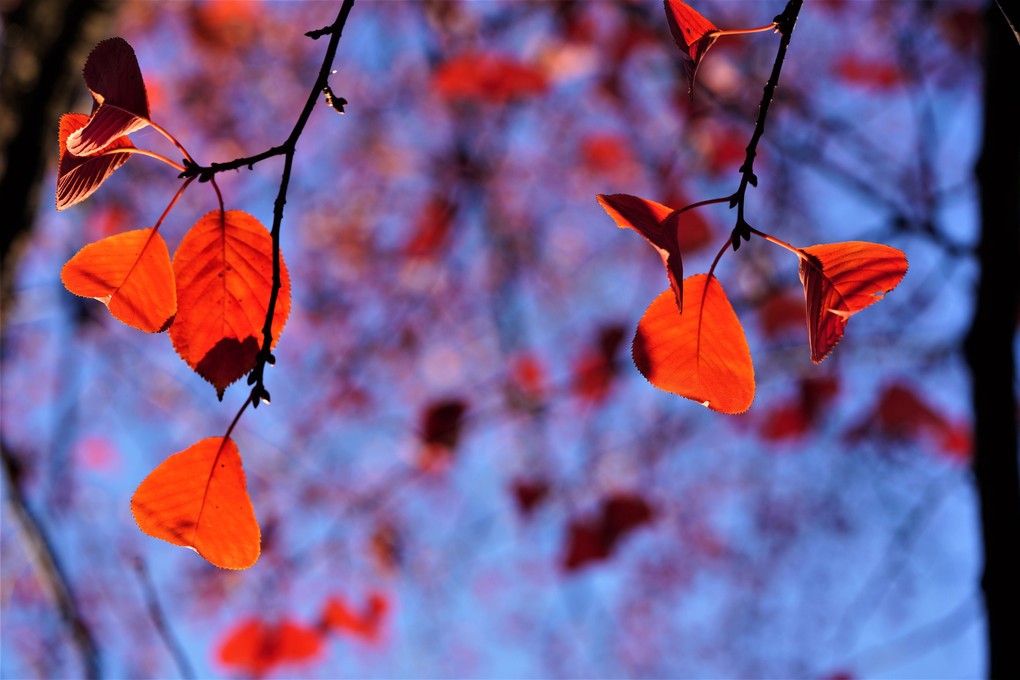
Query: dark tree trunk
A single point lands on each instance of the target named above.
(44, 47)
(989, 348)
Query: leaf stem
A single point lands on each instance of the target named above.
(710, 201)
(176, 196)
(173, 140)
(741, 31)
(143, 152)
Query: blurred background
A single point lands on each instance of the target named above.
(461, 473)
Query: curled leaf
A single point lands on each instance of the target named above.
(78, 177)
(224, 271)
(121, 104)
(131, 274)
(841, 279)
(659, 225)
(693, 34)
(701, 354)
(198, 498)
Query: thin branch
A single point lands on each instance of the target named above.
(159, 621)
(259, 392)
(51, 574)
(784, 24)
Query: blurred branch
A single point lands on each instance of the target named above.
(47, 566)
(160, 622)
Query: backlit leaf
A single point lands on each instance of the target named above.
(701, 354)
(131, 274)
(659, 224)
(841, 279)
(79, 176)
(224, 270)
(693, 34)
(198, 498)
(258, 647)
(121, 105)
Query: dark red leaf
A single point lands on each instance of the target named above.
(659, 225)
(121, 105)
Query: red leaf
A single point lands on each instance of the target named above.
(693, 34)
(224, 270)
(431, 228)
(365, 624)
(198, 498)
(659, 224)
(585, 544)
(841, 279)
(598, 366)
(131, 274)
(873, 73)
(488, 78)
(121, 105)
(701, 354)
(258, 647)
(79, 176)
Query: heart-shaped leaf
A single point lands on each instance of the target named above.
(198, 498)
(693, 34)
(701, 354)
(131, 274)
(121, 104)
(841, 279)
(658, 224)
(224, 271)
(79, 176)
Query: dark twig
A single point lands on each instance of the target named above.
(48, 568)
(259, 392)
(160, 622)
(784, 24)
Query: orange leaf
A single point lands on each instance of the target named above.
(131, 274)
(198, 498)
(841, 279)
(121, 105)
(224, 270)
(659, 224)
(701, 354)
(258, 647)
(79, 176)
(693, 34)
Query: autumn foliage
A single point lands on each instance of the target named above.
(690, 341)
(213, 297)
(224, 298)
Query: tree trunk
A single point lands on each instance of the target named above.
(45, 45)
(989, 347)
